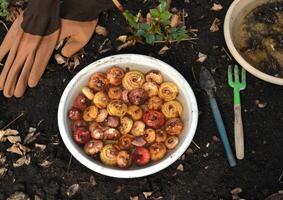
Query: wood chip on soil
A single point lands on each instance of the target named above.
(215, 25)
(72, 190)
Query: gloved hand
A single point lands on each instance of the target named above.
(28, 45)
(28, 56)
(33, 36)
(77, 34)
(78, 25)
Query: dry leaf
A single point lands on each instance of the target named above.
(76, 61)
(2, 158)
(15, 149)
(9, 132)
(23, 160)
(59, 45)
(41, 147)
(119, 189)
(105, 46)
(163, 50)
(31, 129)
(3, 171)
(100, 30)
(122, 38)
(215, 138)
(23, 148)
(217, 7)
(36, 197)
(30, 137)
(148, 18)
(235, 193)
(180, 168)
(14, 12)
(2, 136)
(175, 20)
(14, 139)
(147, 194)
(129, 43)
(92, 181)
(60, 59)
(236, 190)
(18, 196)
(45, 163)
(189, 151)
(134, 198)
(215, 25)
(201, 57)
(72, 190)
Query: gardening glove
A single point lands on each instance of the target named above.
(78, 22)
(28, 45)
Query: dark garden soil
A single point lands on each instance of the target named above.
(206, 174)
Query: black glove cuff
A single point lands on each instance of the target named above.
(84, 10)
(41, 17)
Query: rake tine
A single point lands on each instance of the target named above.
(230, 76)
(236, 74)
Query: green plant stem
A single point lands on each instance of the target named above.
(173, 41)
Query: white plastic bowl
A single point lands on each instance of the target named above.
(143, 64)
(238, 9)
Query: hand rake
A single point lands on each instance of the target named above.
(238, 85)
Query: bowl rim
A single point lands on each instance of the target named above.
(120, 173)
(235, 53)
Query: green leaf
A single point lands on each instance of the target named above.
(4, 8)
(150, 39)
(154, 13)
(162, 6)
(159, 38)
(131, 19)
(144, 26)
(165, 17)
(178, 34)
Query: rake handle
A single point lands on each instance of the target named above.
(222, 131)
(239, 133)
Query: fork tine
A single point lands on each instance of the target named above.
(236, 74)
(230, 76)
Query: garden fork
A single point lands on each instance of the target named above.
(238, 85)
